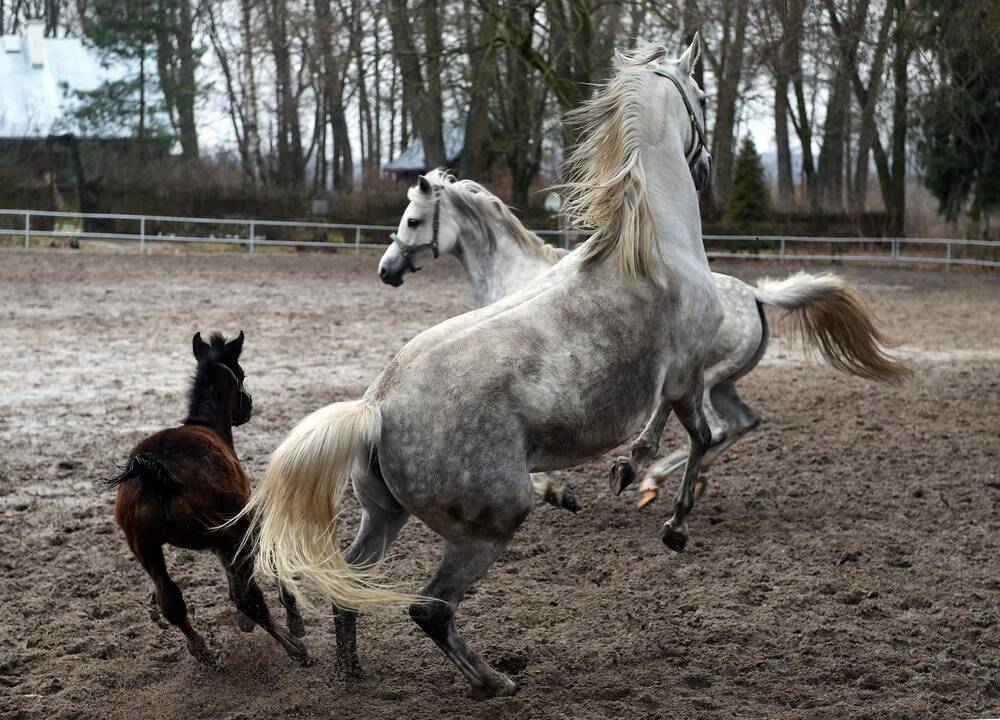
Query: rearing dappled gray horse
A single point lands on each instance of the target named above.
(452, 428)
(501, 256)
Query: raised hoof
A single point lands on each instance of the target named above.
(296, 626)
(699, 488)
(622, 475)
(502, 686)
(243, 622)
(646, 497)
(568, 500)
(674, 538)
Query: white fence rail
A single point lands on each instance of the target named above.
(252, 234)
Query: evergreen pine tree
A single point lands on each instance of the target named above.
(750, 197)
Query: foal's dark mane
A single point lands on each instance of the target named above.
(202, 407)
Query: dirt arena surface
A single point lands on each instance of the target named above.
(842, 565)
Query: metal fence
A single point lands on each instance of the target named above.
(253, 234)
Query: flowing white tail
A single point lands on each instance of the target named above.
(297, 504)
(830, 315)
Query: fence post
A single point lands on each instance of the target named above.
(781, 250)
(895, 250)
(27, 230)
(142, 236)
(252, 236)
(947, 247)
(357, 240)
(565, 240)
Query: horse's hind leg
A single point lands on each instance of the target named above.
(381, 520)
(692, 416)
(464, 562)
(548, 490)
(171, 601)
(249, 600)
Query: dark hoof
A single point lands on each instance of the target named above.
(297, 652)
(622, 475)
(568, 500)
(674, 538)
(502, 686)
(296, 626)
(354, 673)
(243, 622)
(205, 656)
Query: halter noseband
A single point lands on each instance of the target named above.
(698, 135)
(408, 251)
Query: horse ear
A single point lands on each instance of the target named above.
(200, 347)
(235, 347)
(424, 185)
(687, 61)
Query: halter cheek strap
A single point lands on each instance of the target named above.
(408, 250)
(697, 134)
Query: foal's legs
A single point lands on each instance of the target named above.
(643, 448)
(249, 600)
(692, 416)
(293, 617)
(379, 527)
(171, 601)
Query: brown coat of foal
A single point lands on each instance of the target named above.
(181, 484)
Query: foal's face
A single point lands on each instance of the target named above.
(413, 246)
(228, 376)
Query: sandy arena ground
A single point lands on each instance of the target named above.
(843, 564)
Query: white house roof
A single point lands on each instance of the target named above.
(412, 158)
(33, 70)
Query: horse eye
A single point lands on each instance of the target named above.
(413, 222)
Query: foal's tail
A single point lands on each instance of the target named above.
(153, 476)
(297, 504)
(831, 316)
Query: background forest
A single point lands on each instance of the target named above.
(260, 106)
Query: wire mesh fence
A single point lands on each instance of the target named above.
(27, 226)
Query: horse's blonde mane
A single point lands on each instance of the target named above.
(605, 181)
(475, 203)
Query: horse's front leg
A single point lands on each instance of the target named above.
(690, 412)
(649, 489)
(643, 449)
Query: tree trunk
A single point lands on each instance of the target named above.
(897, 207)
(786, 185)
(868, 130)
(422, 103)
(729, 84)
(255, 166)
(831, 158)
(480, 33)
(187, 60)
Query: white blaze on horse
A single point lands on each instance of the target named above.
(451, 430)
(501, 256)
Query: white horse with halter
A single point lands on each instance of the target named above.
(501, 256)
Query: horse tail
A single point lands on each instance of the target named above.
(830, 315)
(153, 475)
(298, 503)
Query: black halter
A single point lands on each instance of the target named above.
(408, 251)
(697, 134)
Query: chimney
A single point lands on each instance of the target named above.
(35, 41)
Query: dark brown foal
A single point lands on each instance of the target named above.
(181, 484)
